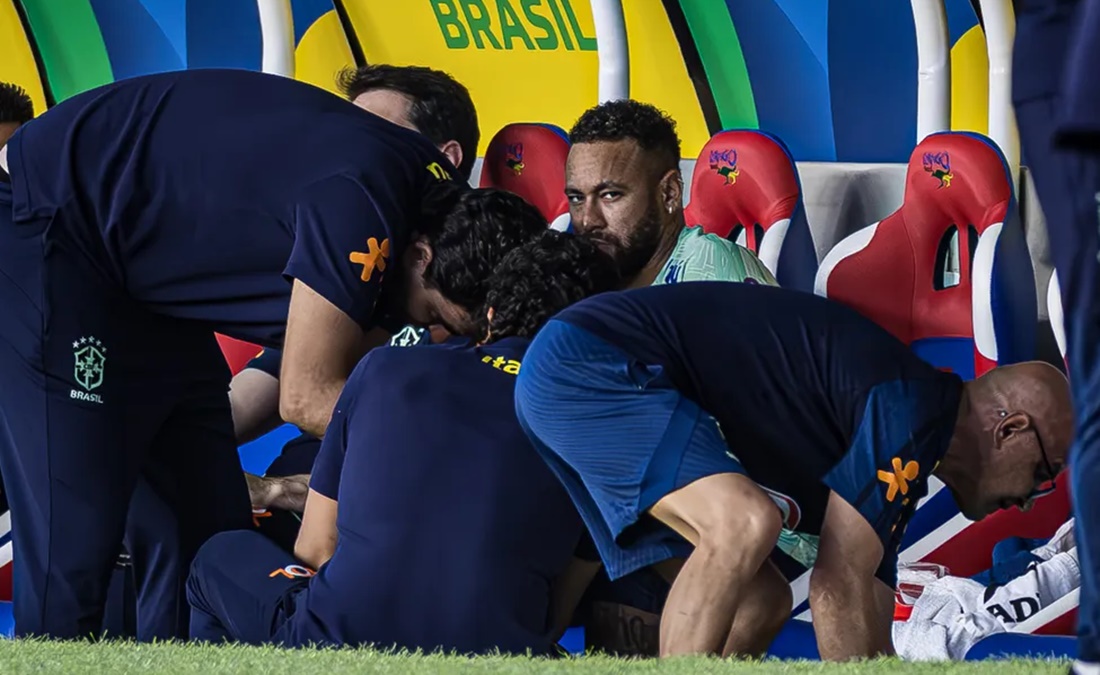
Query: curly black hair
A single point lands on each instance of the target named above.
(441, 108)
(643, 123)
(15, 105)
(541, 278)
(470, 233)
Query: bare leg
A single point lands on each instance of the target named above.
(763, 611)
(733, 525)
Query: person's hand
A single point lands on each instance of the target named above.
(287, 493)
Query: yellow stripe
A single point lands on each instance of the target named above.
(970, 83)
(16, 58)
(322, 52)
(527, 61)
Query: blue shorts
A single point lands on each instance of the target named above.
(619, 436)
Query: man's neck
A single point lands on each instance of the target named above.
(957, 469)
(660, 257)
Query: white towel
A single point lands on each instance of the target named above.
(954, 613)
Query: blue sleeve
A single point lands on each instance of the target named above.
(343, 245)
(325, 478)
(904, 431)
(268, 361)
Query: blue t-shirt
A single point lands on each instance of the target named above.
(197, 191)
(451, 528)
(809, 395)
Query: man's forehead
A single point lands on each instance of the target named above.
(591, 164)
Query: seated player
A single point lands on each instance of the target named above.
(700, 419)
(451, 532)
(626, 193)
(16, 109)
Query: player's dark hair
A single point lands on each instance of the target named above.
(441, 107)
(624, 119)
(541, 278)
(15, 104)
(473, 231)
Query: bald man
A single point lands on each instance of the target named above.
(698, 420)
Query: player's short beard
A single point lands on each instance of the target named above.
(633, 252)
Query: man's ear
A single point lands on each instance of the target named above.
(453, 151)
(1012, 425)
(419, 256)
(672, 191)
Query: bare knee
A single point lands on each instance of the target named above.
(722, 512)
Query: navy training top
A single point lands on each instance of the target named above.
(196, 191)
(809, 395)
(451, 528)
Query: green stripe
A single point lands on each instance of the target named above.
(720, 50)
(69, 44)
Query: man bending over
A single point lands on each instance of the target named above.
(700, 419)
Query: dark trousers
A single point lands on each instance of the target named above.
(242, 588)
(96, 392)
(1068, 185)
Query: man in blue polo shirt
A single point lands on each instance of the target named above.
(146, 214)
(1058, 109)
(821, 423)
(451, 532)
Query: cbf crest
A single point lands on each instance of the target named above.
(89, 362)
(724, 163)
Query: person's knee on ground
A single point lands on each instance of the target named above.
(733, 525)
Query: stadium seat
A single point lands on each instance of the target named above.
(529, 160)
(5, 554)
(949, 272)
(745, 187)
(237, 352)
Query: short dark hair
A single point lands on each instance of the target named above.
(541, 278)
(441, 108)
(473, 232)
(15, 104)
(643, 123)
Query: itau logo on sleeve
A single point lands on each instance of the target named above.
(89, 363)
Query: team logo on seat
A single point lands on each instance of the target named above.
(724, 163)
(89, 360)
(938, 165)
(513, 157)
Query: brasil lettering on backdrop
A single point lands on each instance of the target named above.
(463, 22)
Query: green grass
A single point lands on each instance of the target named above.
(76, 657)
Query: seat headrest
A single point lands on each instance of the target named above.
(529, 160)
(948, 272)
(743, 178)
(957, 178)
